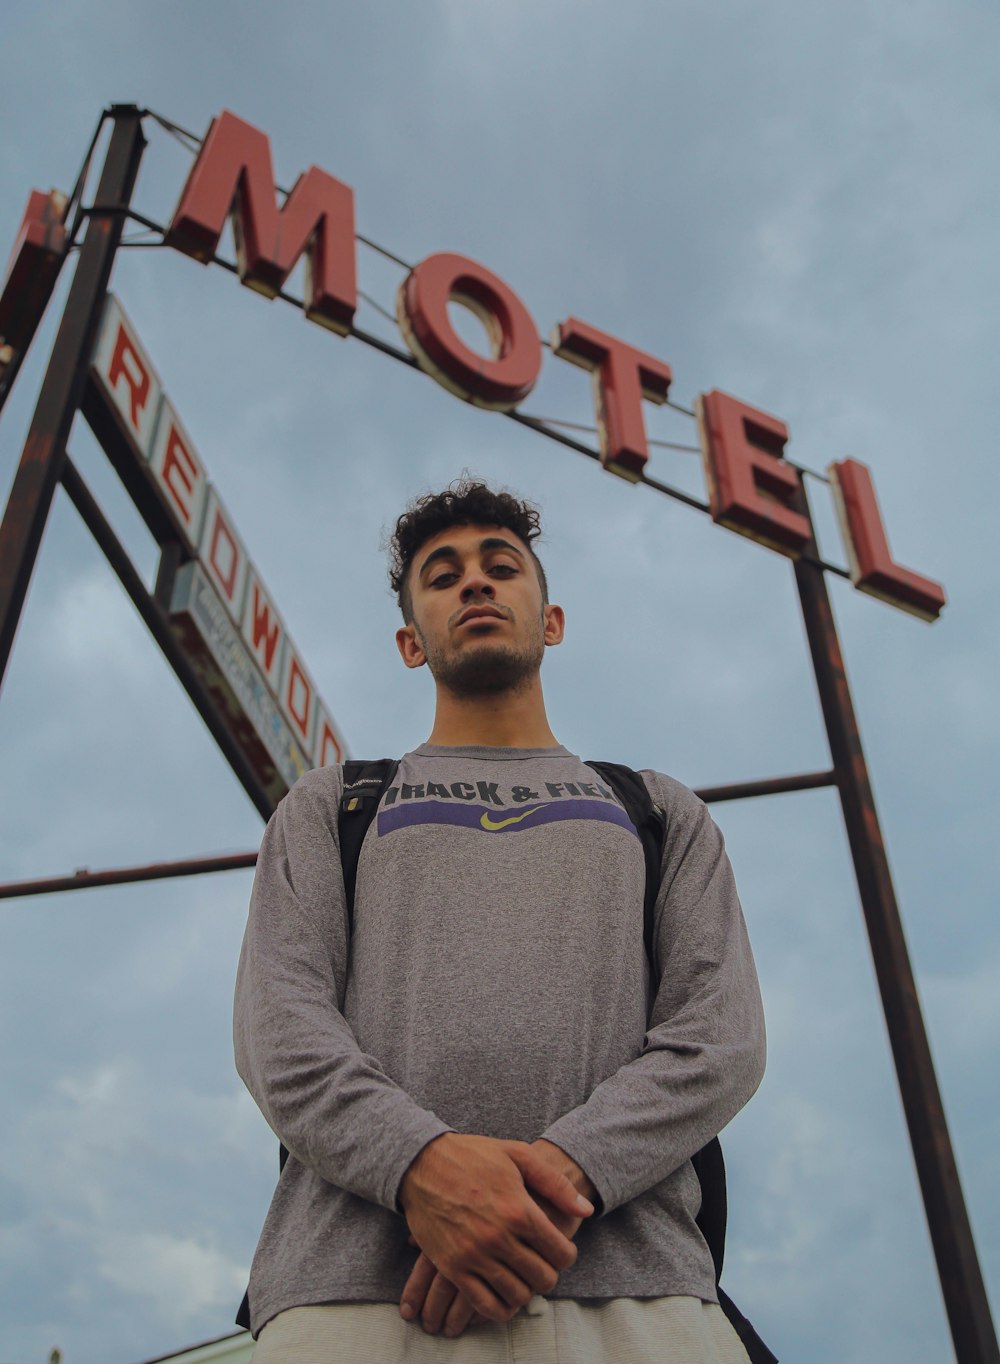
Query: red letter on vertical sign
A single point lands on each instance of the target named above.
(39, 251)
(126, 378)
(265, 629)
(750, 487)
(178, 472)
(223, 556)
(873, 568)
(622, 377)
(422, 311)
(298, 697)
(127, 364)
(233, 174)
(329, 748)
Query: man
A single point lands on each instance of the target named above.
(489, 1093)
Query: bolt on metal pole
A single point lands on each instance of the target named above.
(958, 1268)
(62, 388)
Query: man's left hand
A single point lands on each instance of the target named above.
(435, 1299)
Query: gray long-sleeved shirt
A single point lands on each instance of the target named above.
(495, 982)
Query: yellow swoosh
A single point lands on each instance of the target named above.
(493, 825)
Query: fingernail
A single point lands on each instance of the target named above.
(406, 1311)
(584, 1204)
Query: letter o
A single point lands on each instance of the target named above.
(500, 382)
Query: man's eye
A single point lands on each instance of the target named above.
(442, 579)
(505, 570)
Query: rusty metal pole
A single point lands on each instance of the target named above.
(62, 388)
(958, 1268)
(154, 616)
(126, 876)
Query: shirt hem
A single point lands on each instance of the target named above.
(377, 1293)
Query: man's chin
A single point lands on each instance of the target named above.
(486, 671)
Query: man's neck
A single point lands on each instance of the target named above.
(511, 720)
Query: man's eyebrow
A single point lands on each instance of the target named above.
(495, 542)
(450, 552)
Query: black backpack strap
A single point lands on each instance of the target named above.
(650, 825)
(710, 1168)
(364, 785)
(757, 1351)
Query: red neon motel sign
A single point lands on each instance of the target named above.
(752, 489)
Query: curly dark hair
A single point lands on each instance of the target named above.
(466, 502)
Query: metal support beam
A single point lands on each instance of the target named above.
(158, 625)
(958, 1268)
(201, 866)
(767, 786)
(44, 450)
(124, 876)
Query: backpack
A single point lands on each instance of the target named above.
(365, 783)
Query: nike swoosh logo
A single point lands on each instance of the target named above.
(494, 824)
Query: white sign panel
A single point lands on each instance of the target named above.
(179, 474)
(127, 376)
(221, 610)
(214, 645)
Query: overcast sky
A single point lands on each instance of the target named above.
(793, 203)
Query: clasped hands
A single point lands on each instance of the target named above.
(493, 1220)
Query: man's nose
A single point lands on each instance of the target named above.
(476, 584)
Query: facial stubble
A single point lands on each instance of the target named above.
(484, 667)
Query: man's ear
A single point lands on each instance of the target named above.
(555, 624)
(410, 649)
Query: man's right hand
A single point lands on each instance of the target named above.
(470, 1212)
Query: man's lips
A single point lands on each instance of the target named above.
(473, 613)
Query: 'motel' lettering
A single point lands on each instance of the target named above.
(752, 489)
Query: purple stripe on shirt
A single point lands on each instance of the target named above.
(493, 819)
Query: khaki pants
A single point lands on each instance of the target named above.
(557, 1331)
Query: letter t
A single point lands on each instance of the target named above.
(622, 377)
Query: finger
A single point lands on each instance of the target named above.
(491, 1306)
(440, 1296)
(460, 1315)
(411, 1301)
(533, 1234)
(569, 1226)
(542, 1179)
(516, 1291)
(529, 1268)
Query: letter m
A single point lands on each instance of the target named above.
(233, 176)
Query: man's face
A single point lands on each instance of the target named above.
(479, 621)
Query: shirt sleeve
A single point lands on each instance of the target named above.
(704, 1050)
(328, 1102)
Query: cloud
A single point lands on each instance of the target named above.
(179, 1277)
(118, 1167)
